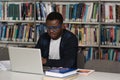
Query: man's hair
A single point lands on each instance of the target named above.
(55, 16)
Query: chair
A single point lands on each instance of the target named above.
(4, 53)
(103, 66)
(80, 59)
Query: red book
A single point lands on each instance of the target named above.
(111, 12)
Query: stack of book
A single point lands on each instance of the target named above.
(66, 73)
(60, 74)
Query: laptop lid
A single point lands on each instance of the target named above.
(26, 60)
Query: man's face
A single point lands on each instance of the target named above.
(54, 28)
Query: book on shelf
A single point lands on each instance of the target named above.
(85, 72)
(110, 54)
(110, 35)
(61, 72)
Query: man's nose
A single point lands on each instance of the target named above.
(52, 30)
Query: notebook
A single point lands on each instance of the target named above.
(26, 60)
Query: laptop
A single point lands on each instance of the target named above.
(27, 60)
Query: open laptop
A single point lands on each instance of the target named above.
(26, 60)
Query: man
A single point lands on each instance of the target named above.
(58, 46)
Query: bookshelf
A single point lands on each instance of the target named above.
(109, 26)
(17, 23)
(89, 26)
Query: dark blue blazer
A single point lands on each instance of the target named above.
(68, 50)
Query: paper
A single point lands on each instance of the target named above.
(5, 65)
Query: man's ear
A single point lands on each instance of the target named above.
(63, 27)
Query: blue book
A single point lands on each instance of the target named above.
(3, 32)
(74, 12)
(1, 10)
(89, 54)
(43, 11)
(20, 33)
(86, 13)
(102, 36)
(67, 12)
(61, 72)
(115, 35)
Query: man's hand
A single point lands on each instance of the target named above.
(44, 60)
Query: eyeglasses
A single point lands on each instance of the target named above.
(54, 28)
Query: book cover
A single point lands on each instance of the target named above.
(74, 12)
(1, 10)
(103, 12)
(67, 12)
(61, 72)
(85, 72)
(79, 11)
(72, 77)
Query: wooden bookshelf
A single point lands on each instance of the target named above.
(91, 26)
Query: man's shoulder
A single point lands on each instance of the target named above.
(68, 33)
(44, 35)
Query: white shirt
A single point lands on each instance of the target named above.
(54, 52)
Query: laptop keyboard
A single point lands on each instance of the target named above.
(45, 68)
